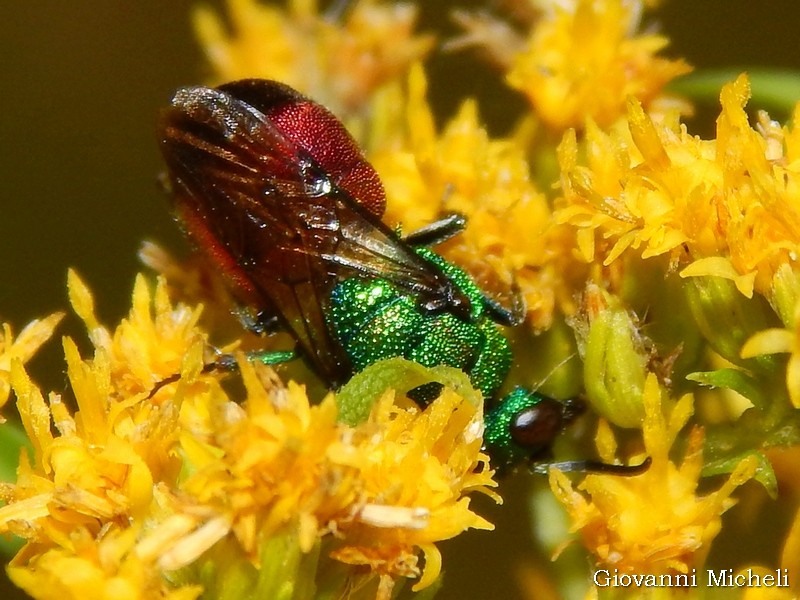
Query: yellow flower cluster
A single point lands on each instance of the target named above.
(339, 64)
(383, 489)
(726, 207)
(657, 522)
(584, 59)
(145, 477)
(512, 241)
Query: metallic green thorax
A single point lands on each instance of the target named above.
(374, 320)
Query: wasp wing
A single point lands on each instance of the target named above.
(279, 227)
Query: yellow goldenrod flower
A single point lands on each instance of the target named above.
(150, 345)
(107, 567)
(103, 463)
(653, 523)
(138, 491)
(23, 347)
(584, 59)
(727, 207)
(339, 64)
(498, 40)
(385, 488)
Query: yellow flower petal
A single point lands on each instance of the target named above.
(510, 241)
(29, 340)
(718, 266)
(769, 341)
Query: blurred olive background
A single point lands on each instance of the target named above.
(80, 85)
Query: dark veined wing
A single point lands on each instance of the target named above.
(283, 214)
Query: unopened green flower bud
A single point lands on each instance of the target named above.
(614, 361)
(784, 294)
(726, 318)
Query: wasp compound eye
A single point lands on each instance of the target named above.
(537, 425)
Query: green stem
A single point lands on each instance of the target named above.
(12, 441)
(774, 90)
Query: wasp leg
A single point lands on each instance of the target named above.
(591, 466)
(426, 393)
(438, 231)
(449, 226)
(227, 362)
(510, 317)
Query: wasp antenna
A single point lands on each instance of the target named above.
(591, 466)
(553, 370)
(164, 382)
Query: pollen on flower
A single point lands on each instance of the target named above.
(106, 567)
(104, 458)
(655, 522)
(98, 469)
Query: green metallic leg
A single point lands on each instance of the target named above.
(227, 362)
